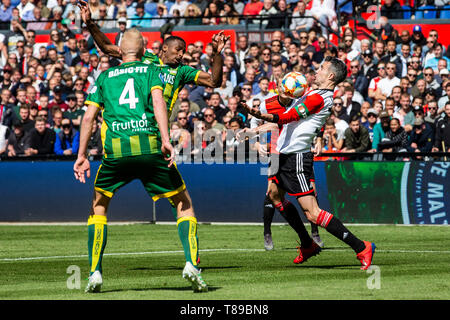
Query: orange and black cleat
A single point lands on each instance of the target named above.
(306, 253)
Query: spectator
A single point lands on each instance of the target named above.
(16, 140)
(95, 146)
(226, 88)
(67, 140)
(405, 114)
(351, 107)
(444, 99)
(372, 91)
(24, 118)
(422, 138)
(182, 120)
(300, 20)
(26, 10)
(253, 8)
(57, 120)
(179, 5)
(432, 114)
(396, 139)
(7, 113)
(282, 19)
(356, 137)
(393, 57)
(38, 22)
(57, 100)
(378, 51)
(74, 113)
(418, 90)
(5, 14)
(332, 141)
(339, 111)
(372, 118)
(71, 9)
(442, 137)
(141, 18)
(210, 120)
(360, 81)
(404, 58)
(379, 130)
(211, 14)
(106, 20)
(431, 82)
(192, 15)
(392, 9)
(438, 55)
(40, 140)
(220, 110)
(417, 37)
(267, 10)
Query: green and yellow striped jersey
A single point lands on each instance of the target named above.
(123, 93)
(174, 78)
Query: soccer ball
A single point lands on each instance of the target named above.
(294, 84)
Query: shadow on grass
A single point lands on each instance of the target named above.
(181, 268)
(181, 289)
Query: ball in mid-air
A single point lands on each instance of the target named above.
(294, 84)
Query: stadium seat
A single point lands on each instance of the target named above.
(445, 12)
(347, 8)
(407, 12)
(151, 8)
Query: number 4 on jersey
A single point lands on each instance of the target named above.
(128, 90)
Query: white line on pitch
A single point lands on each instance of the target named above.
(203, 250)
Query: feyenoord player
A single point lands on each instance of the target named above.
(136, 141)
(275, 105)
(301, 122)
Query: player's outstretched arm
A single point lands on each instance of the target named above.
(99, 37)
(257, 113)
(214, 79)
(160, 110)
(82, 166)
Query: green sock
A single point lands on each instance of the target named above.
(187, 231)
(97, 234)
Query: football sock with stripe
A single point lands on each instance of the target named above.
(268, 213)
(97, 236)
(334, 226)
(187, 231)
(290, 214)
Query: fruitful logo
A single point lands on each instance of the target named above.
(133, 125)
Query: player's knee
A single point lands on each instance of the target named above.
(182, 201)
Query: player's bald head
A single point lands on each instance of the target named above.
(132, 43)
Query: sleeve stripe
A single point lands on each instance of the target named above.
(87, 102)
(196, 76)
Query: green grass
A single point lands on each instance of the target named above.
(145, 261)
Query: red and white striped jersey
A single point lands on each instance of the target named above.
(303, 120)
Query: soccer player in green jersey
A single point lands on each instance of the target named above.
(136, 142)
(175, 74)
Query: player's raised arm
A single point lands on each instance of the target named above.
(99, 37)
(214, 79)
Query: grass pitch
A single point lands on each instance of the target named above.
(145, 261)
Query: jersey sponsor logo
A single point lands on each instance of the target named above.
(93, 89)
(118, 72)
(133, 125)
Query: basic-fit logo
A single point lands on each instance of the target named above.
(133, 125)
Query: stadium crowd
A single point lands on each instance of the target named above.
(395, 98)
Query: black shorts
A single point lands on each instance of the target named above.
(295, 174)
